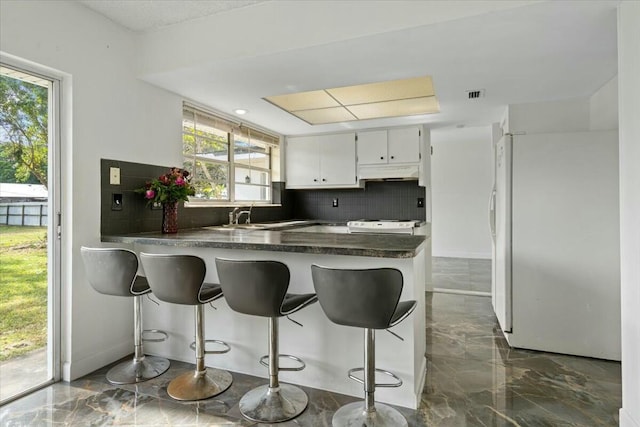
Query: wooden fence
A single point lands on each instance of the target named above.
(31, 214)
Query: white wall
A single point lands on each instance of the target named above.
(567, 115)
(603, 107)
(462, 178)
(629, 107)
(107, 113)
(596, 112)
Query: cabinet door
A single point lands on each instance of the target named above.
(404, 145)
(337, 159)
(372, 147)
(302, 162)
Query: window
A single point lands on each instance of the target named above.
(228, 162)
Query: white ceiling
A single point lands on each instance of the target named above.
(516, 51)
(148, 15)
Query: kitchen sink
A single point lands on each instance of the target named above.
(246, 226)
(256, 226)
(319, 228)
(280, 224)
(224, 229)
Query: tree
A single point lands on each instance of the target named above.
(201, 149)
(23, 128)
(8, 173)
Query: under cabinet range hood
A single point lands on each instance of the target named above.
(383, 172)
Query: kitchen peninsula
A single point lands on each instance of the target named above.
(329, 350)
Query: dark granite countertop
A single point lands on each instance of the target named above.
(369, 245)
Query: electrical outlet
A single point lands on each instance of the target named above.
(116, 202)
(335, 203)
(421, 202)
(114, 176)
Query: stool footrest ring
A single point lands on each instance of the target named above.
(165, 336)
(398, 382)
(287, 356)
(222, 343)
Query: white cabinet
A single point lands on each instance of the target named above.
(321, 161)
(390, 146)
(302, 161)
(372, 147)
(338, 159)
(329, 161)
(404, 145)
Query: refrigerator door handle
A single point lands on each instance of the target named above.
(492, 214)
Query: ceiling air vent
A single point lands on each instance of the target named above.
(475, 94)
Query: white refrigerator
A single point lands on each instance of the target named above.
(554, 216)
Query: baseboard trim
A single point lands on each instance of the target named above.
(461, 292)
(626, 420)
(428, 286)
(454, 254)
(76, 368)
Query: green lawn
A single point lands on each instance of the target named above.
(23, 290)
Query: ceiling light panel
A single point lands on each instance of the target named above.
(325, 115)
(303, 100)
(384, 91)
(393, 98)
(401, 107)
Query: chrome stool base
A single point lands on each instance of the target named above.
(196, 385)
(273, 405)
(355, 415)
(135, 371)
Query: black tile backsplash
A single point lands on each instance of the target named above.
(378, 200)
(136, 216)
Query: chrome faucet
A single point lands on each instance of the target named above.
(248, 221)
(234, 216)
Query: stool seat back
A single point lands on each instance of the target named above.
(252, 287)
(176, 279)
(361, 298)
(112, 271)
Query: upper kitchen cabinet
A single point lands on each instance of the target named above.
(404, 145)
(321, 161)
(396, 153)
(372, 147)
(400, 145)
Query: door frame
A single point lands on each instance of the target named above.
(54, 217)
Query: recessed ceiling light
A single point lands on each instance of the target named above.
(368, 101)
(240, 111)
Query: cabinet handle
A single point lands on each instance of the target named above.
(315, 180)
(381, 157)
(392, 157)
(323, 180)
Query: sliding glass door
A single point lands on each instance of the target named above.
(29, 232)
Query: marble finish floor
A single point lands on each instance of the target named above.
(473, 379)
(461, 274)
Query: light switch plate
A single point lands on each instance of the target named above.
(114, 176)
